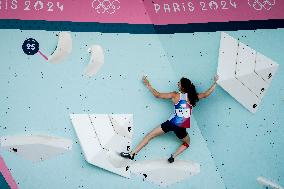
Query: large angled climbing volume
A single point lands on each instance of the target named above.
(244, 73)
(102, 137)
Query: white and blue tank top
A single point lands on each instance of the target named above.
(182, 112)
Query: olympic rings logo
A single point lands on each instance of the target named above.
(262, 4)
(102, 6)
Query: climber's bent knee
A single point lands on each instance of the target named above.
(185, 144)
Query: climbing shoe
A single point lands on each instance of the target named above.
(127, 155)
(171, 159)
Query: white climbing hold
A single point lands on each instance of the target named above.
(63, 48)
(96, 60)
(162, 173)
(36, 147)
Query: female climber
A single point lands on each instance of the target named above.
(184, 101)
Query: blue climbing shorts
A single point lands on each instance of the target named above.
(180, 132)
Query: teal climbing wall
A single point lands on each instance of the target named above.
(232, 145)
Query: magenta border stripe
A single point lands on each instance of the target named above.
(7, 175)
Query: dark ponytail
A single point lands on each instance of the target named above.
(189, 88)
